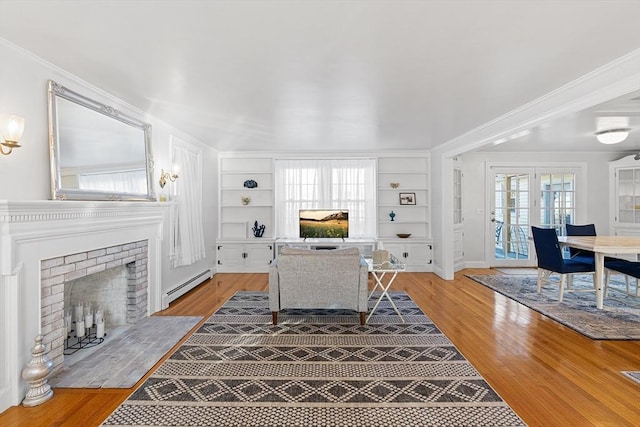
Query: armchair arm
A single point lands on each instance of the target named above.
(363, 289)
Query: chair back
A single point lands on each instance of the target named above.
(580, 230)
(547, 247)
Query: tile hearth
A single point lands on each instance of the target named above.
(126, 355)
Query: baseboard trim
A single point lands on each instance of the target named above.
(186, 286)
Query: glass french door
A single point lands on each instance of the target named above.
(520, 198)
(511, 217)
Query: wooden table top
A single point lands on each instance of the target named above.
(603, 244)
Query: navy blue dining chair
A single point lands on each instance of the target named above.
(550, 260)
(581, 230)
(619, 265)
(628, 268)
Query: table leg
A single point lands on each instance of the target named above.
(377, 284)
(599, 277)
(385, 293)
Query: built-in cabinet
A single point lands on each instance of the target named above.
(404, 197)
(244, 257)
(624, 181)
(245, 202)
(416, 255)
(246, 195)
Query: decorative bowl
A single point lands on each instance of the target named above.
(403, 235)
(394, 184)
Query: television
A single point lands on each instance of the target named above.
(324, 223)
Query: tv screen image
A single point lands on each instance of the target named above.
(324, 224)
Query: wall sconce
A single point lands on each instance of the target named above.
(164, 176)
(12, 128)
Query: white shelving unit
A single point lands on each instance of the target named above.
(238, 250)
(236, 218)
(411, 174)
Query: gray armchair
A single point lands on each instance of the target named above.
(324, 279)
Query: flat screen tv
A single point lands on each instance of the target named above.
(324, 224)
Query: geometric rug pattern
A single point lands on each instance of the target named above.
(619, 319)
(315, 368)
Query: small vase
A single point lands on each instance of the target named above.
(392, 215)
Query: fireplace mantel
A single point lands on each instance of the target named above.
(31, 231)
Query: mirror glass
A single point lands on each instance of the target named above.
(97, 152)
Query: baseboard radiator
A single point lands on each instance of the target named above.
(186, 286)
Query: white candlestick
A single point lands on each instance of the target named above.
(80, 328)
(88, 320)
(79, 313)
(100, 329)
(67, 321)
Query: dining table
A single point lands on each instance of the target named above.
(601, 246)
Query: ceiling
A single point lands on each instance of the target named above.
(323, 75)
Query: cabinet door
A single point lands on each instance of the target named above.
(417, 255)
(231, 255)
(259, 255)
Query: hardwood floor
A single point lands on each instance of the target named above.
(549, 374)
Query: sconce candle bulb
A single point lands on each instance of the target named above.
(164, 176)
(12, 128)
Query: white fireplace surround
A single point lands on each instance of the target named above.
(32, 231)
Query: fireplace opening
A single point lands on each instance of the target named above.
(112, 280)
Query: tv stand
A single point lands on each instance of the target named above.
(366, 246)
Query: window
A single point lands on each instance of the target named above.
(325, 184)
(557, 200)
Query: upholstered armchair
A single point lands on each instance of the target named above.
(323, 279)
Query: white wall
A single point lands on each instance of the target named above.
(25, 174)
(476, 213)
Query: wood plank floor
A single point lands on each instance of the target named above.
(549, 374)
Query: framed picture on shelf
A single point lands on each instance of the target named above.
(407, 198)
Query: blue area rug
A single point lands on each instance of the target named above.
(618, 320)
(316, 368)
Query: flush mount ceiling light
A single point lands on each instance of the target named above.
(612, 136)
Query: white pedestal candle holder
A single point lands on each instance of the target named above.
(36, 373)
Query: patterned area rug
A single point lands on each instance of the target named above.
(618, 320)
(315, 368)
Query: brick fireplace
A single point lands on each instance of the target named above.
(42, 244)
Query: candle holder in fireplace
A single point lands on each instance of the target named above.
(89, 339)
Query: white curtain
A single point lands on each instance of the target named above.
(325, 184)
(134, 181)
(187, 240)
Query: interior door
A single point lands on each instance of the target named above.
(511, 211)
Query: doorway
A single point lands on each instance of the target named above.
(522, 197)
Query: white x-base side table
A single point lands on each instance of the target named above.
(379, 272)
